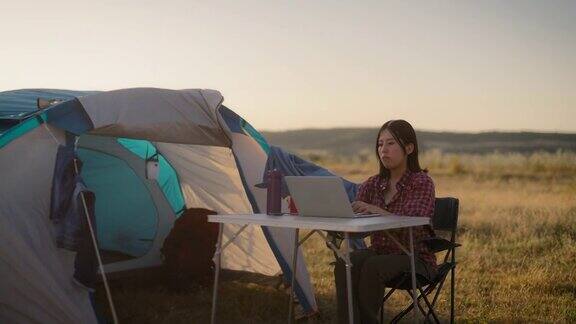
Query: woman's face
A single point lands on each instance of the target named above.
(390, 152)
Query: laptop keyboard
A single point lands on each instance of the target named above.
(365, 215)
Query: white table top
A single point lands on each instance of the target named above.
(367, 224)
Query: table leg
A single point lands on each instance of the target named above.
(349, 279)
(294, 264)
(413, 273)
(217, 259)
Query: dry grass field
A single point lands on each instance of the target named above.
(517, 263)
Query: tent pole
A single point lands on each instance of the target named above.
(95, 244)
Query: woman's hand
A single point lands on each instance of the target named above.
(365, 208)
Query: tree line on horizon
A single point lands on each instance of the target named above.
(347, 141)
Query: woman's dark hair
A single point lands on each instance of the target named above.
(404, 134)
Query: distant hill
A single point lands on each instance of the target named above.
(345, 141)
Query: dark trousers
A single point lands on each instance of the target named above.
(370, 273)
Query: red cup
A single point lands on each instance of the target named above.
(292, 206)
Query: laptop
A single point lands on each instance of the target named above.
(321, 197)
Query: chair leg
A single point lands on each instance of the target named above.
(427, 291)
(430, 308)
(452, 288)
(420, 296)
(382, 314)
(437, 293)
(382, 310)
(438, 290)
(392, 290)
(452, 285)
(400, 315)
(403, 313)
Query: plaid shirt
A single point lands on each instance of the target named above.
(415, 197)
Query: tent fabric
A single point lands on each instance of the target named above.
(167, 176)
(19, 103)
(256, 136)
(67, 205)
(238, 125)
(188, 131)
(70, 116)
(63, 182)
(250, 151)
(209, 179)
(252, 160)
(231, 120)
(20, 129)
(185, 116)
(120, 192)
(36, 283)
(143, 232)
(208, 176)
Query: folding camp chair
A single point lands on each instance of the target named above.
(444, 222)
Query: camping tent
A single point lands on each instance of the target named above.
(147, 154)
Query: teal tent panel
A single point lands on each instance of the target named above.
(167, 176)
(255, 135)
(168, 181)
(20, 129)
(143, 149)
(126, 216)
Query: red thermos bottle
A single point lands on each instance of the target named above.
(273, 199)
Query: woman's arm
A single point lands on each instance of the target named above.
(362, 207)
(364, 196)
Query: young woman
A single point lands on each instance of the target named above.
(402, 188)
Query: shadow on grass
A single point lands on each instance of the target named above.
(146, 299)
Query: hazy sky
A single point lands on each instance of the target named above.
(443, 65)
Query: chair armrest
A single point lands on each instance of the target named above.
(438, 244)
